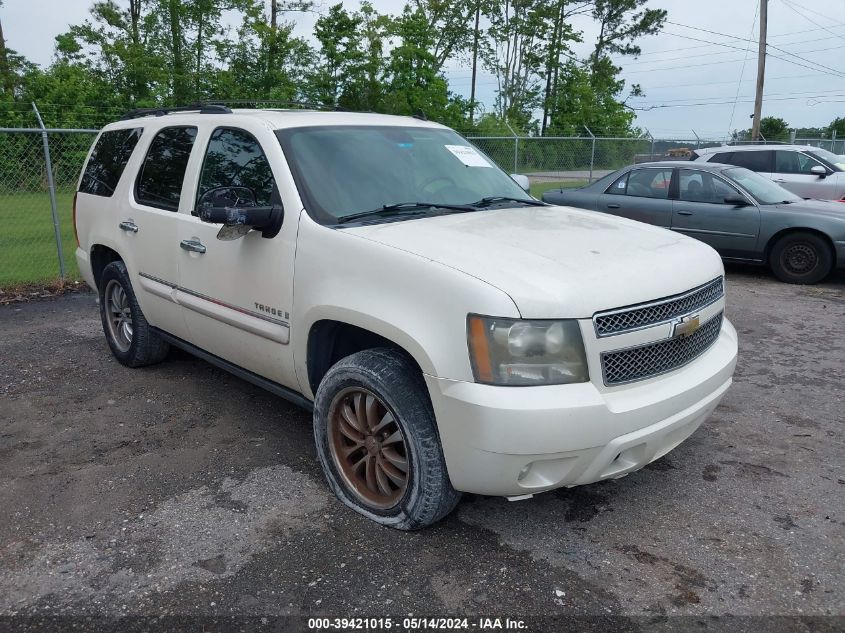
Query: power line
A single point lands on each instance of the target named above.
(815, 65)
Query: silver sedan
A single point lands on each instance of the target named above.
(741, 214)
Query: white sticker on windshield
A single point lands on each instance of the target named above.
(468, 156)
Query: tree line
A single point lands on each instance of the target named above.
(146, 53)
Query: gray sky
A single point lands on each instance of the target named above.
(676, 68)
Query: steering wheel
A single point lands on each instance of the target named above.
(435, 179)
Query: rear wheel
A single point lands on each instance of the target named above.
(377, 441)
(131, 339)
(801, 258)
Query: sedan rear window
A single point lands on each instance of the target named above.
(108, 160)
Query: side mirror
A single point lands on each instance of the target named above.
(819, 171)
(522, 181)
(236, 209)
(737, 201)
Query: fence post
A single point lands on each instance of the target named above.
(651, 149)
(515, 148)
(592, 153)
(51, 185)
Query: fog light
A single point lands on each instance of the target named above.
(523, 473)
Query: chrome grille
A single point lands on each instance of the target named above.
(639, 363)
(614, 322)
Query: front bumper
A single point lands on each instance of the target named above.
(521, 440)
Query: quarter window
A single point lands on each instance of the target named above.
(235, 159)
(160, 181)
(618, 187)
(108, 160)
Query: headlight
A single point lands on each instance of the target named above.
(516, 352)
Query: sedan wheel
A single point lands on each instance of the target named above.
(801, 258)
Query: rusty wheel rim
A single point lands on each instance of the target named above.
(368, 447)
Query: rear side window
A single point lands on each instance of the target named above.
(160, 180)
(755, 161)
(108, 160)
(649, 183)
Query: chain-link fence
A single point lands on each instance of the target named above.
(38, 174)
(36, 200)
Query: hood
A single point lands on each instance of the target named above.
(557, 262)
(827, 208)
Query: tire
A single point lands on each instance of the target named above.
(801, 258)
(385, 387)
(131, 339)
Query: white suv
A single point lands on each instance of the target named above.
(450, 332)
(806, 171)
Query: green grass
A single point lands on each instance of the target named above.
(27, 243)
(28, 248)
(538, 188)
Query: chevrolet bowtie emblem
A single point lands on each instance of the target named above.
(685, 326)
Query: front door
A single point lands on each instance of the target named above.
(238, 294)
(792, 172)
(701, 212)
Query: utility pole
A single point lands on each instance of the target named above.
(474, 62)
(761, 72)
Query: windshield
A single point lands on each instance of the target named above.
(834, 159)
(763, 189)
(345, 170)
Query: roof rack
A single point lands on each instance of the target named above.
(275, 103)
(203, 108)
(735, 143)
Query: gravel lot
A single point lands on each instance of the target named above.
(179, 489)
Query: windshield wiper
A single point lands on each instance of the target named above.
(403, 208)
(486, 202)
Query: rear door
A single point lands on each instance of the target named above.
(238, 294)
(701, 212)
(150, 226)
(640, 194)
(792, 172)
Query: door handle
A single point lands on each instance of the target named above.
(780, 179)
(129, 226)
(195, 246)
(684, 212)
(613, 206)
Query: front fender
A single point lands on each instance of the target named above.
(418, 304)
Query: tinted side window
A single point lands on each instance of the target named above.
(108, 160)
(160, 181)
(649, 183)
(235, 159)
(755, 161)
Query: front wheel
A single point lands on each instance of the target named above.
(377, 441)
(801, 258)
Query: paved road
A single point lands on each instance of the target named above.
(179, 489)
